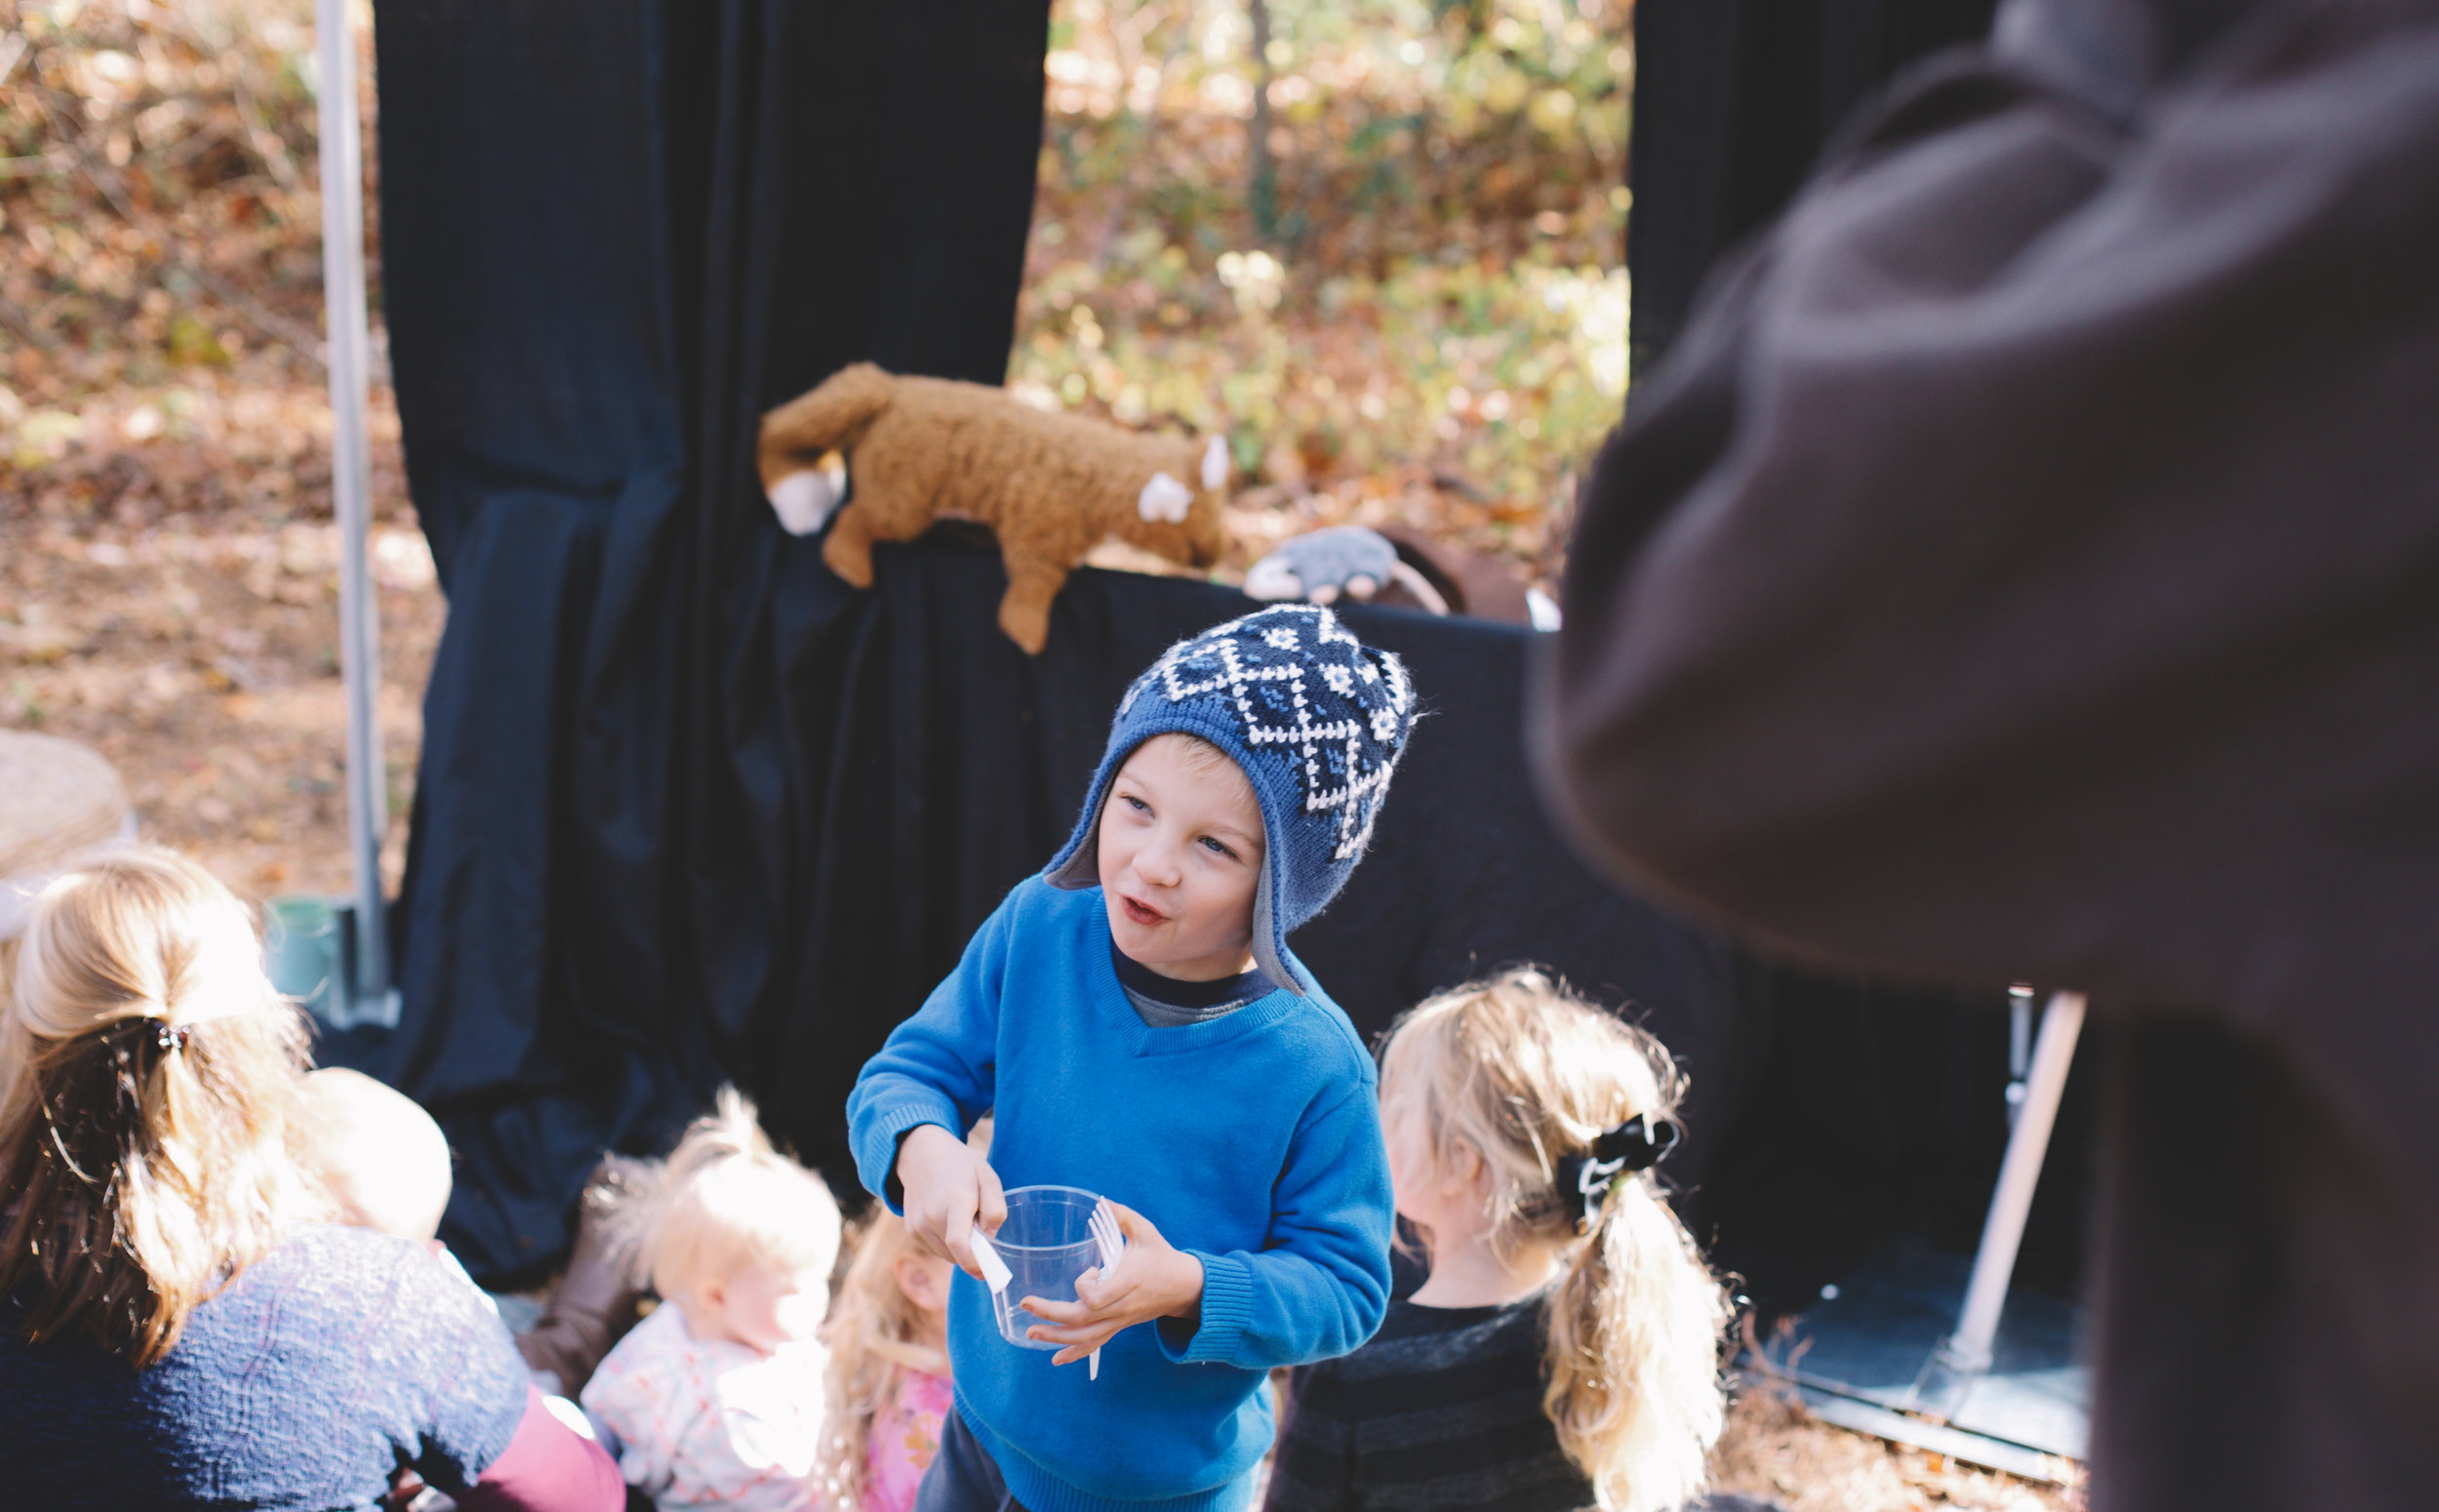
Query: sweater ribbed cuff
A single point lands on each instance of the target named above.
(1227, 1307)
(876, 1143)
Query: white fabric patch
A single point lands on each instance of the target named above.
(1215, 464)
(1164, 498)
(1273, 578)
(1542, 608)
(804, 501)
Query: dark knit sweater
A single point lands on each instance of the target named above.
(331, 1362)
(1442, 1409)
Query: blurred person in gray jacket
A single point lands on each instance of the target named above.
(2025, 566)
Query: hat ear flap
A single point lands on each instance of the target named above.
(1267, 935)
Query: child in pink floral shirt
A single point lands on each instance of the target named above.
(888, 1389)
(904, 1436)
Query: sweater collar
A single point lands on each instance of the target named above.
(1141, 979)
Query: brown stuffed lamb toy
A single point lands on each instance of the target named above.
(1049, 486)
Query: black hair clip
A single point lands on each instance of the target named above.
(1637, 1145)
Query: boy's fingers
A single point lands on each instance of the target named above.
(1074, 1352)
(1110, 1291)
(1067, 1314)
(957, 1234)
(1135, 1226)
(991, 1204)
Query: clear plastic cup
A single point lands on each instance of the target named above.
(1047, 1242)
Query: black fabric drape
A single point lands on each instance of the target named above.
(939, 766)
(1733, 103)
(1734, 99)
(611, 234)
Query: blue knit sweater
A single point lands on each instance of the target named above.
(331, 1362)
(1252, 1141)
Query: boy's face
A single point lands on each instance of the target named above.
(1180, 852)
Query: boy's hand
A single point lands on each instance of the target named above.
(1151, 1280)
(949, 1191)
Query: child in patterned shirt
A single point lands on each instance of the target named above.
(715, 1400)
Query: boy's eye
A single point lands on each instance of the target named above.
(1135, 802)
(1214, 844)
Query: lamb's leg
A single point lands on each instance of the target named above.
(848, 548)
(1024, 613)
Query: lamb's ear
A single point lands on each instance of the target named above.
(1164, 499)
(1215, 463)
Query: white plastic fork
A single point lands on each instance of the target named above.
(995, 1272)
(1112, 1243)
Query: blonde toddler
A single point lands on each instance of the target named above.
(715, 1399)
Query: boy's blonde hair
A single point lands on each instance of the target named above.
(148, 1083)
(874, 1332)
(725, 1199)
(1522, 1073)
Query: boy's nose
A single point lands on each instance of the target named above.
(1160, 866)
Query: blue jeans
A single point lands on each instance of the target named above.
(962, 1477)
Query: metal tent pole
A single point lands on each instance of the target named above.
(369, 997)
(1964, 1355)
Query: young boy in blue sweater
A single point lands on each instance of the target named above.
(1136, 1017)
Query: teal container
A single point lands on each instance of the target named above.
(308, 940)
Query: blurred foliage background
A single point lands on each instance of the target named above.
(1378, 244)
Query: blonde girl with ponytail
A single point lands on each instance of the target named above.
(149, 1104)
(1566, 1350)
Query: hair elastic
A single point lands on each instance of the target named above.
(172, 1037)
(1637, 1145)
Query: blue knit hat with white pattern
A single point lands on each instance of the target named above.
(1315, 719)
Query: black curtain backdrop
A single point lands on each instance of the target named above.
(1733, 100)
(1879, 1105)
(612, 231)
(690, 809)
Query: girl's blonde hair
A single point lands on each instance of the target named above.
(725, 1199)
(148, 1084)
(875, 1331)
(1522, 1073)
